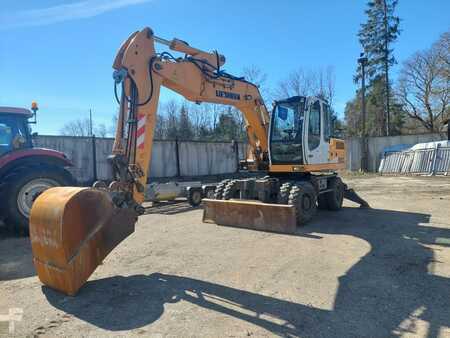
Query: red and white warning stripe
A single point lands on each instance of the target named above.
(141, 130)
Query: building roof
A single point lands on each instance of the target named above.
(15, 110)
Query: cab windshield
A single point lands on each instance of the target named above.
(287, 133)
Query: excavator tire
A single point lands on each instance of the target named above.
(335, 197)
(304, 198)
(322, 202)
(230, 190)
(283, 195)
(219, 189)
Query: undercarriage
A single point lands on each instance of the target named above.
(304, 193)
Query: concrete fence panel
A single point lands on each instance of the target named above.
(353, 150)
(206, 158)
(195, 158)
(103, 150)
(77, 149)
(164, 160)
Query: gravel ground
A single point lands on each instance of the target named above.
(353, 273)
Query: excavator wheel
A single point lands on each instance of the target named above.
(72, 230)
(322, 203)
(219, 189)
(304, 198)
(283, 194)
(333, 199)
(230, 191)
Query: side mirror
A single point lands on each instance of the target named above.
(35, 134)
(34, 108)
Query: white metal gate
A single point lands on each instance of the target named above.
(423, 159)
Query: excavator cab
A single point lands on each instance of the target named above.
(300, 131)
(286, 131)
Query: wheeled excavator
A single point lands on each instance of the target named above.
(72, 229)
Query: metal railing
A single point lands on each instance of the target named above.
(429, 161)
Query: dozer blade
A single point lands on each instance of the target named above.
(250, 214)
(72, 230)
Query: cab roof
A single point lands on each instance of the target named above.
(15, 110)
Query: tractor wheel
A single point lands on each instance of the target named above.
(194, 197)
(219, 189)
(335, 197)
(25, 186)
(283, 195)
(303, 196)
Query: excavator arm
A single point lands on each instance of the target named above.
(73, 229)
(197, 76)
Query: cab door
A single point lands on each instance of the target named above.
(316, 140)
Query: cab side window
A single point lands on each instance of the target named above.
(5, 137)
(326, 122)
(314, 126)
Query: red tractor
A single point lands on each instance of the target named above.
(25, 171)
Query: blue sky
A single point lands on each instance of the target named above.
(59, 53)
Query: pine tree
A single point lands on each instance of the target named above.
(227, 129)
(185, 131)
(374, 111)
(376, 36)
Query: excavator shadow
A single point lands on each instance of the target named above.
(169, 207)
(383, 294)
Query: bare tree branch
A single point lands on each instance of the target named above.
(423, 87)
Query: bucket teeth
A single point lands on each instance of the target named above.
(71, 231)
(251, 215)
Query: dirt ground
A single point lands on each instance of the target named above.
(353, 273)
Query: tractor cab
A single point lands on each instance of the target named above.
(25, 171)
(300, 131)
(14, 129)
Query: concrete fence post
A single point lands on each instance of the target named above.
(235, 146)
(94, 159)
(177, 157)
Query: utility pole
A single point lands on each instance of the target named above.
(362, 60)
(94, 148)
(90, 122)
(386, 68)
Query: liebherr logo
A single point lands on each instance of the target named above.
(228, 95)
(14, 315)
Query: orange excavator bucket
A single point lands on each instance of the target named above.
(72, 230)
